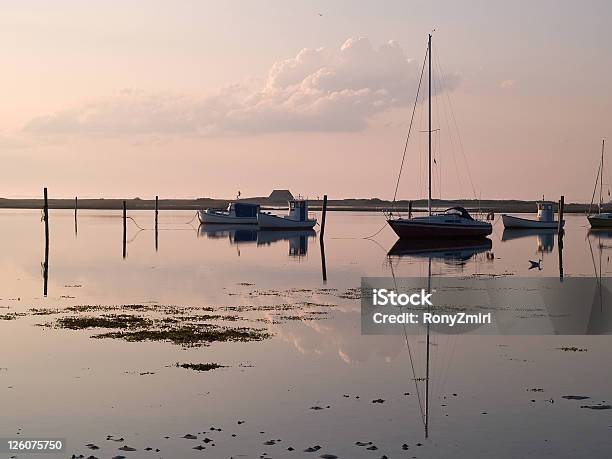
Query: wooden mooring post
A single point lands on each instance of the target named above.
(156, 221)
(560, 233)
(323, 214)
(124, 228)
(321, 240)
(409, 209)
(561, 208)
(46, 262)
(76, 207)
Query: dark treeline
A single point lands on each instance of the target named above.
(489, 205)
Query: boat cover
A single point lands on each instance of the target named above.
(460, 210)
(246, 210)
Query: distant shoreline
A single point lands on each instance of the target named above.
(361, 205)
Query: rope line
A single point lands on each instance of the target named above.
(164, 229)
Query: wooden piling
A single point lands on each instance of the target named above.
(124, 227)
(561, 206)
(409, 209)
(324, 213)
(156, 221)
(76, 207)
(46, 262)
(46, 215)
(560, 233)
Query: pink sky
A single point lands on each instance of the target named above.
(208, 98)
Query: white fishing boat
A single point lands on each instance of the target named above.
(600, 219)
(236, 213)
(297, 218)
(545, 218)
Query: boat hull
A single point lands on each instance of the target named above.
(597, 221)
(409, 229)
(517, 222)
(208, 217)
(274, 222)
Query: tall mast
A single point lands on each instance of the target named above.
(603, 142)
(429, 130)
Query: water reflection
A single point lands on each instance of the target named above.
(323, 264)
(450, 251)
(603, 239)
(545, 238)
(544, 243)
(601, 316)
(454, 253)
(248, 234)
(45, 268)
(333, 348)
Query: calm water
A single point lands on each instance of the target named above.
(58, 382)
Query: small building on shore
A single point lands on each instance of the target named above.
(280, 196)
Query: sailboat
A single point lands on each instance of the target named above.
(455, 222)
(601, 219)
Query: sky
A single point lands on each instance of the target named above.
(208, 98)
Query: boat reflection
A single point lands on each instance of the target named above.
(545, 238)
(247, 234)
(600, 233)
(451, 251)
(600, 320)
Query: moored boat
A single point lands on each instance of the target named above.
(544, 220)
(455, 222)
(236, 213)
(297, 218)
(600, 219)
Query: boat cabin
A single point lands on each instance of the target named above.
(546, 212)
(457, 212)
(298, 210)
(243, 209)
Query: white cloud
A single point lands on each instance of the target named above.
(507, 84)
(317, 90)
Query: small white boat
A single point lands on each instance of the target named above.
(236, 213)
(545, 219)
(296, 219)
